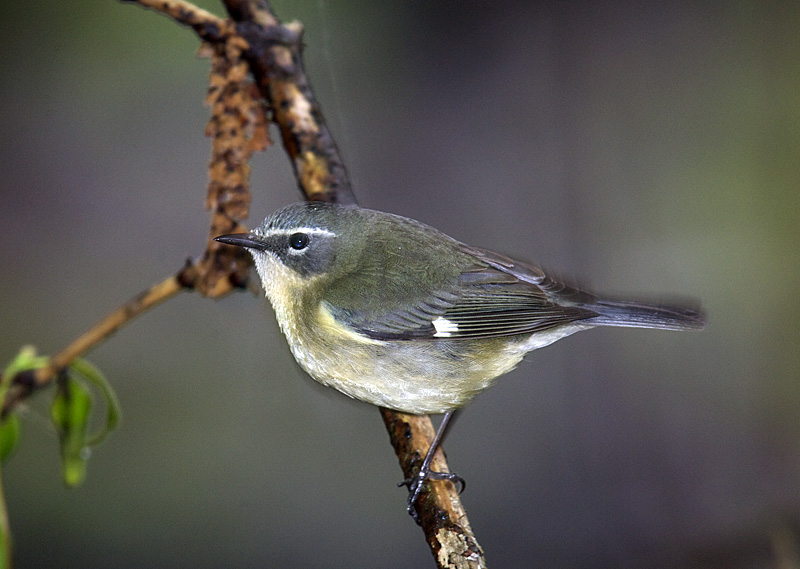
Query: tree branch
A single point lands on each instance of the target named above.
(276, 62)
(237, 128)
(27, 382)
(441, 514)
(273, 52)
(208, 26)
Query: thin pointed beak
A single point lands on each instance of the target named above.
(247, 240)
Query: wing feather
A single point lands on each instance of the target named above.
(484, 301)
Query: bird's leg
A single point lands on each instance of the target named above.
(425, 473)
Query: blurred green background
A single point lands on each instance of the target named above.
(641, 148)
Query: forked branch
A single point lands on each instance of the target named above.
(254, 40)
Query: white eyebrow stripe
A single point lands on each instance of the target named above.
(309, 230)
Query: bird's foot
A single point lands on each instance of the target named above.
(415, 483)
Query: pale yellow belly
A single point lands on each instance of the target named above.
(414, 376)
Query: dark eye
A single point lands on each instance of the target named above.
(298, 241)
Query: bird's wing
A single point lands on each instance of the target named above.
(491, 297)
(557, 291)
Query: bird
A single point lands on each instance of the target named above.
(393, 312)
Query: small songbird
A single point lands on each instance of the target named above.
(395, 313)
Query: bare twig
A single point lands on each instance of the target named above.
(441, 514)
(27, 382)
(208, 26)
(276, 61)
(237, 128)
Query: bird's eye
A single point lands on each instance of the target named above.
(298, 241)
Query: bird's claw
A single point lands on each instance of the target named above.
(415, 483)
(451, 476)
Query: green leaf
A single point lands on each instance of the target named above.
(9, 435)
(113, 411)
(70, 413)
(25, 360)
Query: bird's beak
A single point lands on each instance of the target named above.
(248, 240)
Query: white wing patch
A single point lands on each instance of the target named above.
(444, 327)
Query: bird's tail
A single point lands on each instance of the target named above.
(646, 315)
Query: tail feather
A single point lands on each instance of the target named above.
(644, 315)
